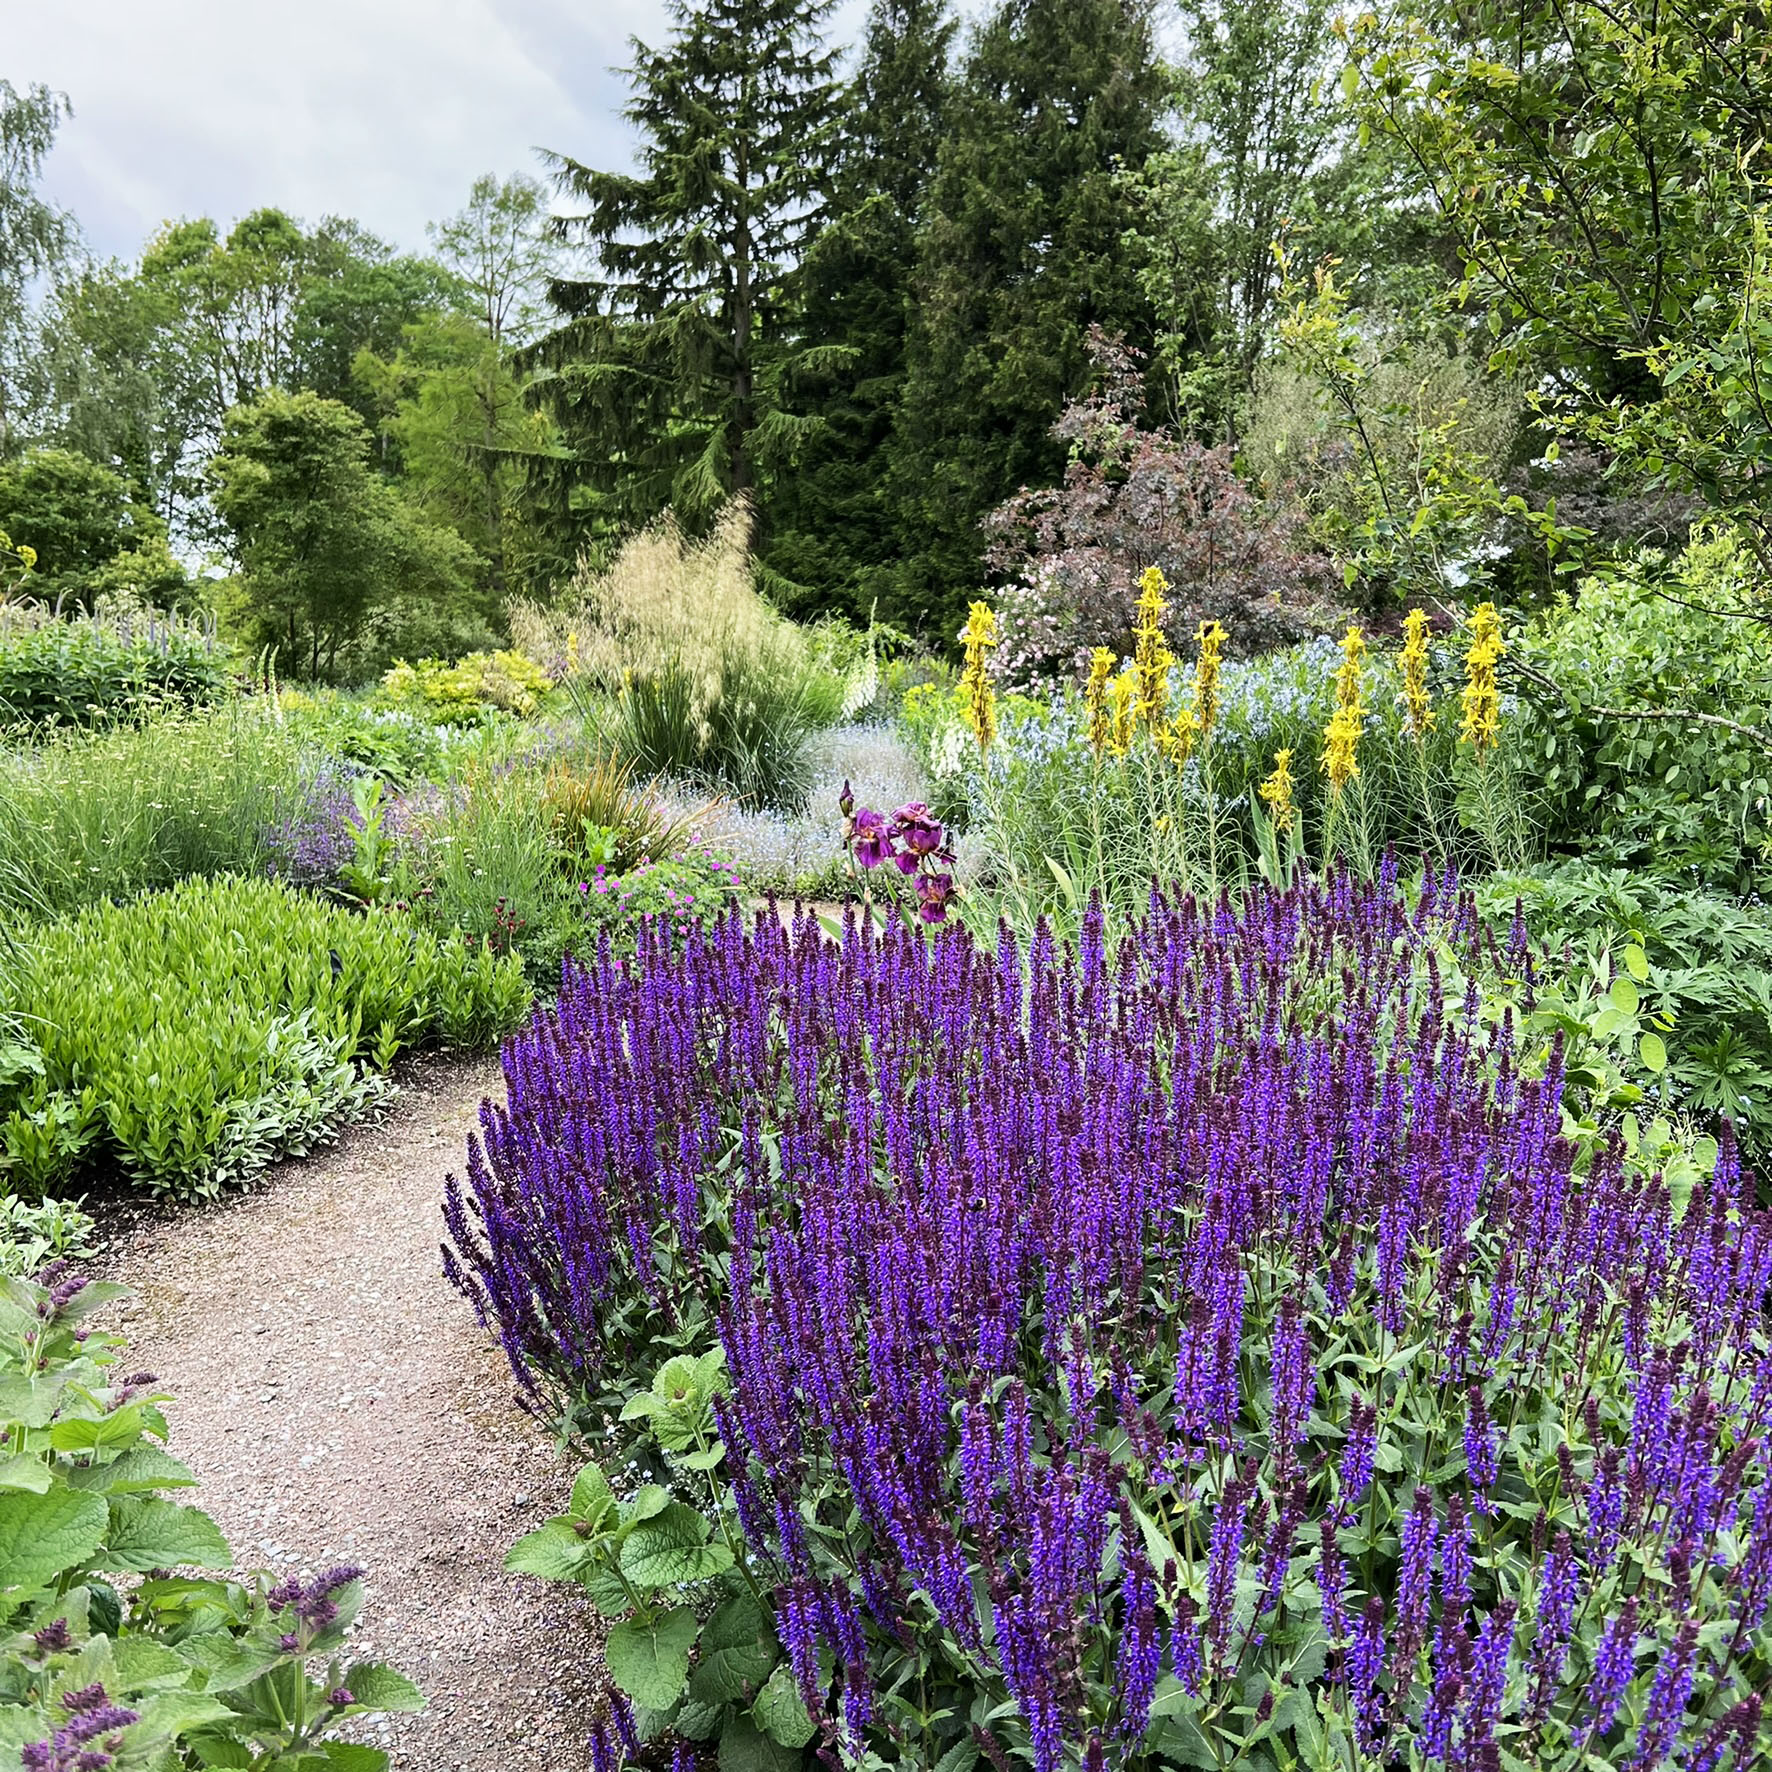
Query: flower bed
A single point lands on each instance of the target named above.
(1226, 1349)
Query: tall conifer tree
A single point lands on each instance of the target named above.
(833, 530)
(1020, 255)
(666, 374)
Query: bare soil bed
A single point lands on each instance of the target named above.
(340, 1403)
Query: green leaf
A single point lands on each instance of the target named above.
(25, 1470)
(141, 1662)
(219, 1751)
(375, 1686)
(780, 1712)
(1636, 963)
(41, 1536)
(1066, 884)
(698, 1722)
(647, 1504)
(961, 1757)
(554, 1552)
(738, 1648)
(650, 1660)
(354, 1756)
(227, 1662)
(122, 1427)
(607, 1593)
(745, 1748)
(147, 1533)
(671, 1549)
(1624, 994)
(1652, 1049)
(590, 1493)
(142, 1467)
(30, 1402)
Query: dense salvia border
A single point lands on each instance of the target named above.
(1223, 1340)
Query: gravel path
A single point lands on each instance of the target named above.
(339, 1403)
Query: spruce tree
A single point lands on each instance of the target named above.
(666, 374)
(1020, 255)
(832, 528)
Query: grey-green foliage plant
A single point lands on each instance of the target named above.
(104, 1650)
(36, 1232)
(691, 1644)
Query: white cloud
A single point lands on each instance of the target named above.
(384, 110)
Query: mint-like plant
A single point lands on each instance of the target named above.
(179, 1670)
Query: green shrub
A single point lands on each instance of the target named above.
(510, 681)
(1679, 797)
(195, 1035)
(185, 1671)
(105, 816)
(1713, 979)
(399, 745)
(90, 671)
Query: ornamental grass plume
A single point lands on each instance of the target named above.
(978, 700)
(1276, 791)
(1095, 700)
(1481, 726)
(1418, 709)
(1120, 1336)
(1151, 657)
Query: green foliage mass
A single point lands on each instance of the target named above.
(1649, 729)
(834, 533)
(78, 517)
(35, 236)
(1019, 256)
(335, 567)
(95, 672)
(193, 1036)
(1711, 981)
(1596, 167)
(668, 373)
(205, 1670)
(108, 815)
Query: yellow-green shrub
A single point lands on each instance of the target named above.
(510, 681)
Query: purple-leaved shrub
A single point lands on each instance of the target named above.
(1232, 1348)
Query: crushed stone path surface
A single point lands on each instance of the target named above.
(340, 1404)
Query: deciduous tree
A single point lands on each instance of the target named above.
(333, 565)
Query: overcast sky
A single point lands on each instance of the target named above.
(384, 110)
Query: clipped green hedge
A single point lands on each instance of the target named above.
(85, 673)
(195, 1035)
